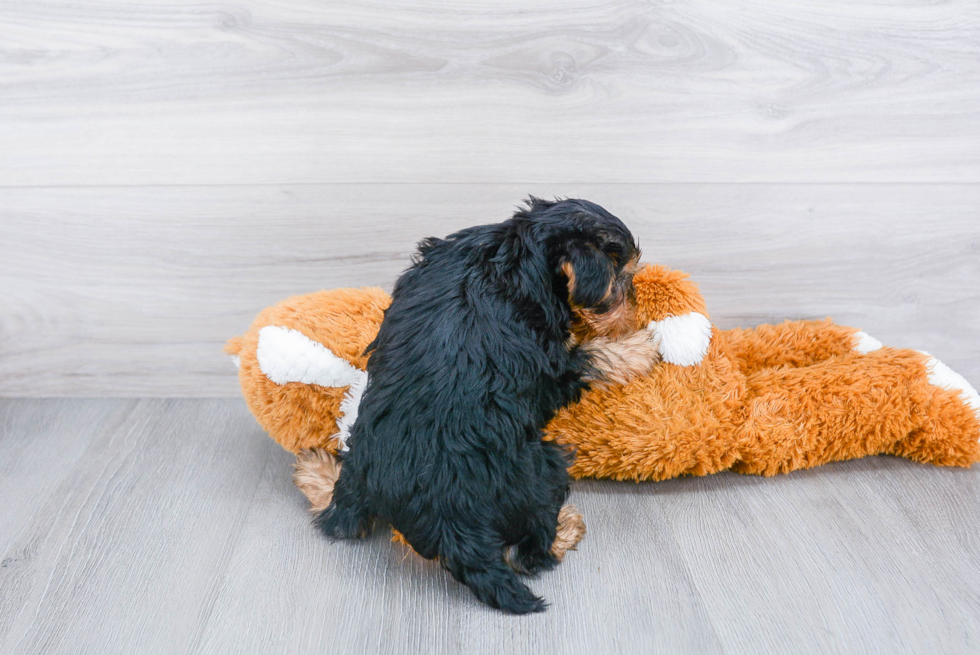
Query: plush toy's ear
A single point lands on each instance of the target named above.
(589, 272)
(662, 292)
(301, 365)
(286, 355)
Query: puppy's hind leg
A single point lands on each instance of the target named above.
(534, 552)
(533, 555)
(347, 516)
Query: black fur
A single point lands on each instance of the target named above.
(470, 363)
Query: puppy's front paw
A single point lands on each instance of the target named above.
(653, 341)
(649, 354)
(620, 360)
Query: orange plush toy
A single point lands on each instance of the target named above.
(767, 400)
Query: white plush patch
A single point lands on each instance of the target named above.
(237, 361)
(864, 343)
(348, 408)
(944, 377)
(684, 339)
(287, 355)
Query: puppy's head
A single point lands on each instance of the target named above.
(593, 258)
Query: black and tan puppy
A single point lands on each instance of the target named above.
(489, 333)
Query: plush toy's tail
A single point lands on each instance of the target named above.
(233, 347)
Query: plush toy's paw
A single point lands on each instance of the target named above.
(315, 473)
(864, 343)
(571, 530)
(944, 377)
(684, 339)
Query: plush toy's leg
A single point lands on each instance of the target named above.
(852, 406)
(794, 343)
(950, 429)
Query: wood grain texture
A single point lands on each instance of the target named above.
(26, 480)
(133, 291)
(131, 539)
(248, 92)
(173, 527)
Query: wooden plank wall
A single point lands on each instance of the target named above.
(167, 169)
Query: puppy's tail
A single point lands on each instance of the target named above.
(499, 587)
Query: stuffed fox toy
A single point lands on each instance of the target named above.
(766, 400)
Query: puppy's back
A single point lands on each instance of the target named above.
(455, 369)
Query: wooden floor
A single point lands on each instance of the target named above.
(171, 526)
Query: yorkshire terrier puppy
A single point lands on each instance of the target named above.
(489, 333)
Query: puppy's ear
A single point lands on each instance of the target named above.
(589, 273)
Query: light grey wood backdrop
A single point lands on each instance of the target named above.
(167, 169)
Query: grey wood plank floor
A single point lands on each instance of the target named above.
(172, 526)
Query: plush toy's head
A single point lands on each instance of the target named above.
(662, 292)
(301, 364)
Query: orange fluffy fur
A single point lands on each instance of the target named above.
(767, 400)
(302, 416)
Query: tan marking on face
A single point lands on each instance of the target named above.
(632, 266)
(617, 321)
(569, 272)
